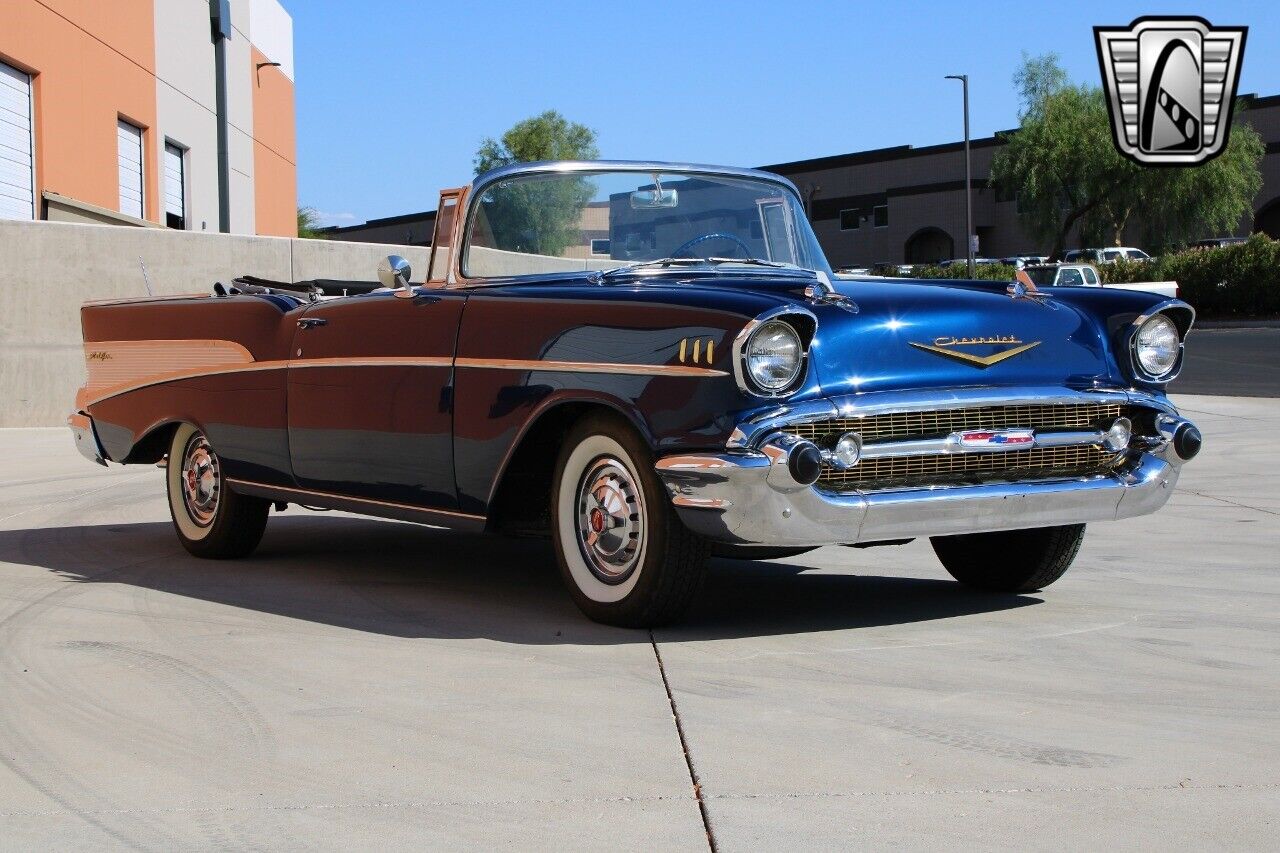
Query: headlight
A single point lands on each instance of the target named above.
(773, 356)
(1156, 346)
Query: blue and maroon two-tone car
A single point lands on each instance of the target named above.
(650, 363)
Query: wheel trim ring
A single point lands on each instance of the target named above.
(609, 520)
(200, 480)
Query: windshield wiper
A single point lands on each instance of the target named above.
(756, 262)
(603, 275)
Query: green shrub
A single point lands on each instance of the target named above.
(1234, 281)
(986, 272)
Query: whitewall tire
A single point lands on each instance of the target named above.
(623, 553)
(210, 519)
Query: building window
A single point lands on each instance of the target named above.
(175, 186)
(17, 146)
(129, 138)
(850, 220)
(880, 215)
(600, 246)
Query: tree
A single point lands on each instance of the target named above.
(1064, 168)
(549, 136)
(539, 217)
(309, 224)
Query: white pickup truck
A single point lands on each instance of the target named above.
(1086, 275)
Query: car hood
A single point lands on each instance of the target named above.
(919, 335)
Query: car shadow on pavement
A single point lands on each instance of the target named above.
(406, 580)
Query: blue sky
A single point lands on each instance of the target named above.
(393, 98)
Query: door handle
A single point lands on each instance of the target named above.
(309, 322)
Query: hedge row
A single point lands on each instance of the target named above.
(987, 272)
(1236, 281)
(1240, 281)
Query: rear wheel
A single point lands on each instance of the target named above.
(1010, 560)
(210, 520)
(624, 555)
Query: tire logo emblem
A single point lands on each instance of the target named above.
(1171, 87)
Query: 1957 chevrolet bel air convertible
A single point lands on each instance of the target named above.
(650, 363)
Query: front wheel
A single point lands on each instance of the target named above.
(211, 520)
(624, 555)
(1010, 560)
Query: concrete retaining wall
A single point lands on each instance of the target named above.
(48, 269)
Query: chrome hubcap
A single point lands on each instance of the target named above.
(610, 520)
(201, 480)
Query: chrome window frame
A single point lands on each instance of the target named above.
(462, 240)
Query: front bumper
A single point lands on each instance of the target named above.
(747, 495)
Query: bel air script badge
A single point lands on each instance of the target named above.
(946, 346)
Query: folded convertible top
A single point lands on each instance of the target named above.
(323, 286)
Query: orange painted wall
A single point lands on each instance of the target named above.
(275, 171)
(93, 61)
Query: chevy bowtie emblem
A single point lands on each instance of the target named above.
(1171, 86)
(996, 439)
(946, 346)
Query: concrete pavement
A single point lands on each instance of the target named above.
(1239, 360)
(362, 683)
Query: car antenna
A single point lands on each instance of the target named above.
(146, 279)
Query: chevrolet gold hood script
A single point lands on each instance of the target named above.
(945, 346)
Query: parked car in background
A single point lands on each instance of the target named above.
(1104, 256)
(1219, 242)
(853, 271)
(963, 261)
(1020, 261)
(721, 395)
(890, 269)
(1086, 275)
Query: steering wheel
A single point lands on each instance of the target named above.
(718, 235)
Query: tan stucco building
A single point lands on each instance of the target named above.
(110, 112)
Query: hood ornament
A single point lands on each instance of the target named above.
(1024, 288)
(824, 293)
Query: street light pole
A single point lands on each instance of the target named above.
(968, 175)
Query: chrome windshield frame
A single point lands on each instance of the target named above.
(569, 167)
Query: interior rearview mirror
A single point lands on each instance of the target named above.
(654, 199)
(394, 272)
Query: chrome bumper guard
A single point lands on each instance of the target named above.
(749, 495)
(87, 438)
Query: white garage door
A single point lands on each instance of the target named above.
(130, 138)
(17, 176)
(175, 187)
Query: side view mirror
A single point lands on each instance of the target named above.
(394, 272)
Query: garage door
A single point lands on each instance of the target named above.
(17, 177)
(175, 187)
(130, 139)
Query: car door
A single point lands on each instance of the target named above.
(370, 405)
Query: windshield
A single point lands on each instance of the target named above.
(571, 222)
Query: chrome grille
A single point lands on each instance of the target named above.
(938, 468)
(1036, 463)
(942, 422)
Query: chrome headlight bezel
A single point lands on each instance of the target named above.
(798, 322)
(1177, 314)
